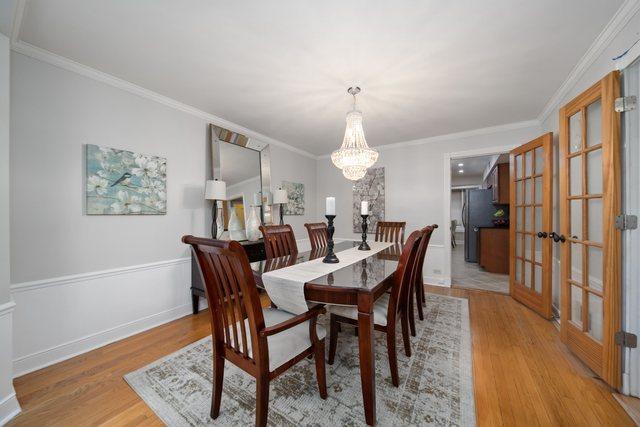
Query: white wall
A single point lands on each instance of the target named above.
(414, 182)
(8, 403)
(82, 281)
(289, 166)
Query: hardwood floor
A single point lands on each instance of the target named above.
(523, 374)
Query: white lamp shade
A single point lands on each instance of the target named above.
(215, 190)
(280, 197)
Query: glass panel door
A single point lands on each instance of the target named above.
(590, 252)
(531, 190)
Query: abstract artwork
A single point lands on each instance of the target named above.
(122, 182)
(295, 194)
(371, 189)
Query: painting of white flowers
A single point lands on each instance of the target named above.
(295, 194)
(122, 182)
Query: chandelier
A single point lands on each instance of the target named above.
(354, 156)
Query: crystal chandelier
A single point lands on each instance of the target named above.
(354, 156)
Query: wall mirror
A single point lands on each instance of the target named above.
(243, 163)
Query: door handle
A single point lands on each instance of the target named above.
(542, 234)
(557, 237)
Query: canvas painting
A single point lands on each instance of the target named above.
(295, 194)
(121, 182)
(371, 189)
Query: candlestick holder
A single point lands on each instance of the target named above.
(331, 258)
(364, 246)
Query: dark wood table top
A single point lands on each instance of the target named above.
(371, 274)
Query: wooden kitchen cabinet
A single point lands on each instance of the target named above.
(498, 183)
(493, 249)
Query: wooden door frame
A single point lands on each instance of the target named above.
(609, 367)
(543, 304)
(446, 196)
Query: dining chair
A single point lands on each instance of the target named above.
(418, 279)
(279, 240)
(262, 342)
(390, 231)
(318, 234)
(388, 308)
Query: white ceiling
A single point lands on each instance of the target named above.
(282, 68)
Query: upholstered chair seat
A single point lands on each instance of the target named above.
(284, 344)
(379, 310)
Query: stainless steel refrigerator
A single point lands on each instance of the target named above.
(477, 211)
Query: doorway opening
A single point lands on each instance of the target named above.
(479, 222)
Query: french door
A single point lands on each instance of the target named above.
(589, 175)
(531, 223)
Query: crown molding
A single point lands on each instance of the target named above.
(456, 135)
(610, 31)
(16, 25)
(35, 52)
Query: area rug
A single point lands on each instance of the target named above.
(436, 386)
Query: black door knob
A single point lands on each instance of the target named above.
(542, 234)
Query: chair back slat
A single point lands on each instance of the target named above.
(318, 234)
(232, 296)
(422, 251)
(404, 273)
(390, 231)
(279, 240)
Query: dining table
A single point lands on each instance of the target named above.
(357, 284)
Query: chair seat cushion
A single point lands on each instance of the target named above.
(351, 312)
(287, 344)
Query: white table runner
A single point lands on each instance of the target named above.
(285, 286)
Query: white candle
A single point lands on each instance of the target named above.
(330, 206)
(364, 208)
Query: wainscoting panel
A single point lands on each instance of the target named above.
(59, 318)
(9, 406)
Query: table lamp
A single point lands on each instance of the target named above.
(280, 198)
(215, 190)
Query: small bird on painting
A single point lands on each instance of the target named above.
(123, 178)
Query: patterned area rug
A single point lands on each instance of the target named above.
(436, 386)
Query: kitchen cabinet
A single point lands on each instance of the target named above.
(498, 182)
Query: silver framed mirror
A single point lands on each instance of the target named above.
(244, 164)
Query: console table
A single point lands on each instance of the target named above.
(255, 252)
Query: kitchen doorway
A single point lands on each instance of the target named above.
(479, 221)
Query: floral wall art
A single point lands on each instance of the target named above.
(370, 188)
(295, 194)
(120, 182)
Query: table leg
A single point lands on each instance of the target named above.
(367, 356)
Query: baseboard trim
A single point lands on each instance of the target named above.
(85, 277)
(41, 359)
(444, 282)
(9, 408)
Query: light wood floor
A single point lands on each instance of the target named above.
(523, 375)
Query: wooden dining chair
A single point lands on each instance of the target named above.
(318, 234)
(279, 240)
(390, 231)
(388, 308)
(418, 279)
(262, 342)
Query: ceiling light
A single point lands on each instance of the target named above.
(354, 156)
(460, 171)
(460, 165)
